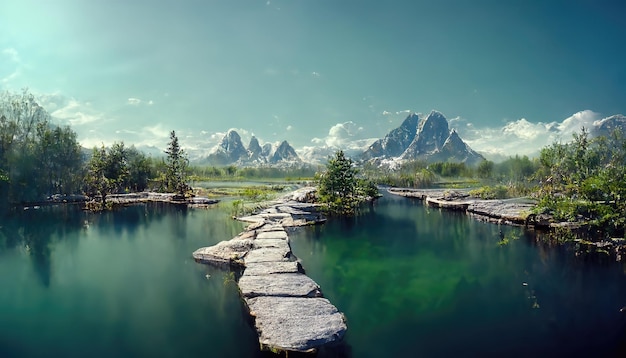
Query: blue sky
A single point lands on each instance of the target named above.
(315, 71)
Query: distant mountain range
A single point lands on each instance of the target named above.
(429, 139)
(231, 150)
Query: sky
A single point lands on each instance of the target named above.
(317, 72)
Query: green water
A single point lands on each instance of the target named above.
(419, 282)
(412, 281)
(119, 284)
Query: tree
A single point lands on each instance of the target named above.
(485, 169)
(177, 164)
(140, 169)
(116, 168)
(97, 184)
(37, 159)
(338, 185)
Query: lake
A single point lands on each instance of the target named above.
(413, 281)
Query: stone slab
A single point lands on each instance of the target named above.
(272, 235)
(267, 255)
(297, 324)
(271, 243)
(270, 268)
(283, 284)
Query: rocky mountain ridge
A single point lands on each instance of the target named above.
(231, 150)
(428, 139)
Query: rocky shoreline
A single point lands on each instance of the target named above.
(289, 310)
(518, 212)
(509, 212)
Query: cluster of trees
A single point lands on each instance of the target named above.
(36, 158)
(233, 172)
(39, 159)
(585, 180)
(422, 174)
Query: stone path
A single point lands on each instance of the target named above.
(289, 310)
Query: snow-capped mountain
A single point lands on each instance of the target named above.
(428, 139)
(609, 124)
(231, 150)
(396, 141)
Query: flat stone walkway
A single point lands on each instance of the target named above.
(289, 310)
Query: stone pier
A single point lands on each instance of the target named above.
(289, 310)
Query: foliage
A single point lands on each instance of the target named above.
(176, 171)
(450, 169)
(490, 192)
(485, 169)
(585, 180)
(410, 174)
(96, 181)
(37, 159)
(231, 172)
(117, 169)
(340, 188)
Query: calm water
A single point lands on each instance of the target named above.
(412, 281)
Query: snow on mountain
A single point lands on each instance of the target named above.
(427, 139)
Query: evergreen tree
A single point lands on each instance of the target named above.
(338, 185)
(176, 167)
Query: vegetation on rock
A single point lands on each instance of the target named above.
(340, 188)
(585, 180)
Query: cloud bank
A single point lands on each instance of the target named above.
(521, 136)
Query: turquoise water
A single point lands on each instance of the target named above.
(419, 282)
(119, 284)
(412, 281)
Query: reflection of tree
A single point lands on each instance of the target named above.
(36, 229)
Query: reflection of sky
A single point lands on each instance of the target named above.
(418, 281)
(120, 284)
(133, 70)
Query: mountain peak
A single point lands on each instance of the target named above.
(431, 135)
(607, 125)
(456, 150)
(230, 149)
(428, 139)
(396, 141)
(284, 152)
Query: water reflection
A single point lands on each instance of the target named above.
(34, 232)
(416, 281)
(121, 284)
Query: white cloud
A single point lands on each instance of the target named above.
(523, 129)
(521, 136)
(75, 113)
(315, 74)
(289, 127)
(12, 54)
(133, 101)
(157, 131)
(10, 59)
(347, 135)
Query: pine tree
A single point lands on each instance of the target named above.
(338, 185)
(176, 167)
